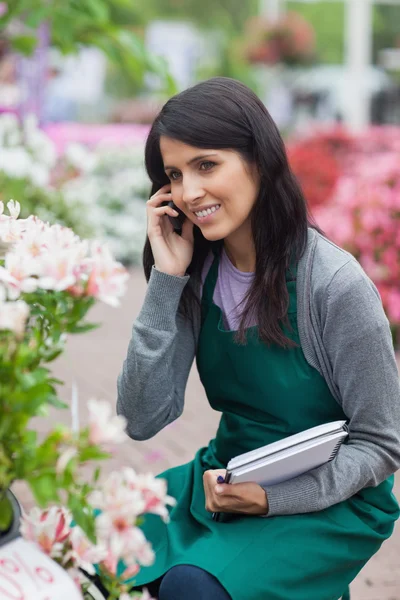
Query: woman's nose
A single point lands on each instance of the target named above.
(191, 190)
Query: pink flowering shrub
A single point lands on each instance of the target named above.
(49, 279)
(123, 498)
(362, 213)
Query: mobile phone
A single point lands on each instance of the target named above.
(176, 222)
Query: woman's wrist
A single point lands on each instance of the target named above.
(177, 274)
(266, 502)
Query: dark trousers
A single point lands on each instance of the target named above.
(186, 582)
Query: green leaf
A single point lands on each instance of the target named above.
(26, 44)
(82, 516)
(54, 400)
(75, 328)
(44, 488)
(96, 474)
(6, 513)
(35, 17)
(52, 355)
(97, 9)
(93, 453)
(56, 381)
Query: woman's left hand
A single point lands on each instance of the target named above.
(248, 498)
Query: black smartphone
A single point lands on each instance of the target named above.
(176, 222)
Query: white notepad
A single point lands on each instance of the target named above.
(289, 457)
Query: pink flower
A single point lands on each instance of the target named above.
(107, 278)
(393, 305)
(49, 529)
(83, 553)
(17, 274)
(153, 490)
(13, 315)
(103, 427)
(120, 504)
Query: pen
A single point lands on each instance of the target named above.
(215, 515)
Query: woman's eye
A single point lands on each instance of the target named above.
(174, 175)
(207, 165)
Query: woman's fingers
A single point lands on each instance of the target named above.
(187, 230)
(163, 194)
(165, 210)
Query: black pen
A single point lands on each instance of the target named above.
(215, 515)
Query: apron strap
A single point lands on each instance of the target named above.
(209, 285)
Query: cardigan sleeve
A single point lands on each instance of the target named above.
(152, 382)
(357, 340)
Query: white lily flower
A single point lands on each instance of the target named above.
(14, 208)
(83, 553)
(48, 528)
(13, 316)
(103, 427)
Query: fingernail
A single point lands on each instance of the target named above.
(175, 212)
(219, 489)
(220, 479)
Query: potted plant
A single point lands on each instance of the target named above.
(289, 41)
(49, 279)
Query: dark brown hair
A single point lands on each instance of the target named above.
(223, 113)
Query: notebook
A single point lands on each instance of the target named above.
(290, 457)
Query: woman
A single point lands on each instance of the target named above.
(288, 333)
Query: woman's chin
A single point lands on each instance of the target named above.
(212, 235)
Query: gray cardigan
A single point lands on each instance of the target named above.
(344, 334)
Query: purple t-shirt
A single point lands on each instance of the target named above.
(231, 287)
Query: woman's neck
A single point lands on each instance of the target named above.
(240, 250)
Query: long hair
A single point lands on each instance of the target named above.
(222, 113)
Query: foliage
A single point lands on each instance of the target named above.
(226, 15)
(76, 23)
(49, 279)
(28, 166)
(328, 22)
(386, 28)
(115, 188)
(47, 204)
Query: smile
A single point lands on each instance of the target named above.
(205, 214)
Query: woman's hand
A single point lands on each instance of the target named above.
(172, 252)
(248, 498)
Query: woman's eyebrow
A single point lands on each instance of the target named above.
(192, 160)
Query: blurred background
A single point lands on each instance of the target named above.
(81, 82)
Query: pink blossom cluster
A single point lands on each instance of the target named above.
(105, 430)
(122, 498)
(363, 216)
(52, 257)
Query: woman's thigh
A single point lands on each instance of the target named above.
(185, 581)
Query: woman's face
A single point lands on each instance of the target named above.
(216, 189)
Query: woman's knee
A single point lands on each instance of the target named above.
(185, 581)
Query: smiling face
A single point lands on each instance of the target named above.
(216, 189)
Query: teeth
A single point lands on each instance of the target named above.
(208, 211)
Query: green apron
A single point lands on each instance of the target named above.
(265, 393)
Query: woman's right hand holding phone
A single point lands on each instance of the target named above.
(172, 252)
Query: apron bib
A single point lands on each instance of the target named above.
(265, 393)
